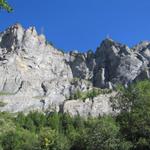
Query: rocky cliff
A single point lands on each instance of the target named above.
(36, 76)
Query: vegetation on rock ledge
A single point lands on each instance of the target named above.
(89, 94)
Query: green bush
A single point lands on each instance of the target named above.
(19, 140)
(134, 117)
(47, 139)
(89, 94)
(105, 135)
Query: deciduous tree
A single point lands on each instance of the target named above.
(4, 5)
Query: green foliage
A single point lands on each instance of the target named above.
(105, 135)
(19, 140)
(55, 131)
(6, 123)
(89, 94)
(5, 5)
(47, 139)
(63, 143)
(2, 104)
(53, 120)
(129, 130)
(134, 119)
(33, 122)
(66, 123)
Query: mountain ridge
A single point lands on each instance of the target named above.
(37, 76)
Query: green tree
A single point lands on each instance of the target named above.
(19, 140)
(48, 139)
(5, 5)
(52, 120)
(66, 123)
(33, 121)
(78, 122)
(134, 118)
(63, 143)
(105, 136)
(38, 119)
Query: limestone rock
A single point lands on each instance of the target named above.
(34, 75)
(82, 64)
(98, 106)
(31, 71)
(116, 63)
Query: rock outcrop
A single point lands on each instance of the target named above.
(95, 107)
(117, 63)
(36, 76)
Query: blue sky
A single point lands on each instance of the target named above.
(82, 24)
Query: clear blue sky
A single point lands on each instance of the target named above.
(83, 24)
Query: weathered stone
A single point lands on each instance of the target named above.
(32, 71)
(98, 106)
(35, 75)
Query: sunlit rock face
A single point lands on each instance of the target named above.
(98, 106)
(34, 75)
(31, 71)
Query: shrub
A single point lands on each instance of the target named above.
(134, 117)
(89, 94)
(47, 139)
(105, 136)
(19, 140)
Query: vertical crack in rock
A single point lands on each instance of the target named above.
(20, 87)
(43, 104)
(44, 89)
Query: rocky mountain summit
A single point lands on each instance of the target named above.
(37, 76)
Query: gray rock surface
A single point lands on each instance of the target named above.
(31, 71)
(116, 63)
(82, 64)
(98, 106)
(35, 75)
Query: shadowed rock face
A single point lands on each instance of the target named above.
(116, 63)
(35, 75)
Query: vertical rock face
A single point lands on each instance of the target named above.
(112, 63)
(82, 64)
(99, 106)
(116, 63)
(31, 70)
(35, 75)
